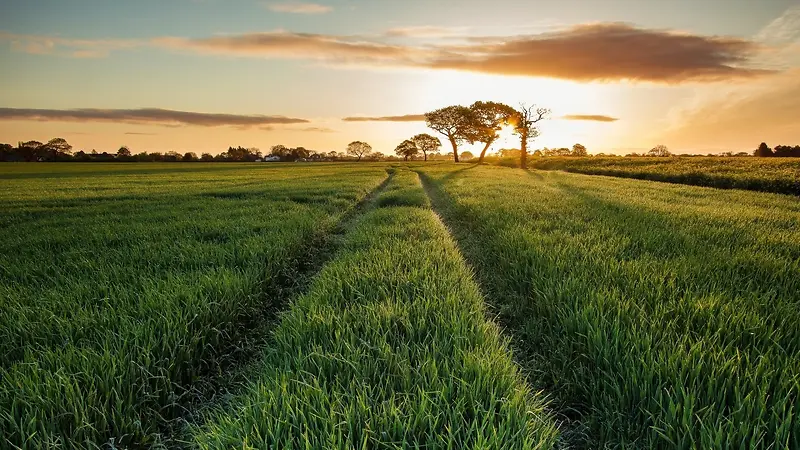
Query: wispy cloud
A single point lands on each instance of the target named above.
(134, 133)
(590, 117)
(596, 52)
(60, 46)
(315, 130)
(425, 31)
(299, 8)
(152, 116)
(286, 45)
(404, 118)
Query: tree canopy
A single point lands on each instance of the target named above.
(486, 119)
(358, 149)
(407, 149)
(453, 122)
(427, 143)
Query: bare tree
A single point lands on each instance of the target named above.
(406, 149)
(453, 122)
(427, 143)
(487, 119)
(525, 127)
(358, 149)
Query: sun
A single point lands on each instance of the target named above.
(438, 89)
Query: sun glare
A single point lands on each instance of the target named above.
(563, 97)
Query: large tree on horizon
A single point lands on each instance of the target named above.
(453, 122)
(763, 150)
(487, 120)
(427, 143)
(358, 149)
(407, 149)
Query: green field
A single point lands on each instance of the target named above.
(780, 175)
(221, 306)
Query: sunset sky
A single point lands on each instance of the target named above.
(202, 75)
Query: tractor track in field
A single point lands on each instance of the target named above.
(570, 429)
(232, 370)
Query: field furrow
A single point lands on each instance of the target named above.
(390, 348)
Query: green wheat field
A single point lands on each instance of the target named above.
(396, 306)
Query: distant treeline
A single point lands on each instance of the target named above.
(58, 149)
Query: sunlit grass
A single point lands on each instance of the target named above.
(121, 284)
(781, 175)
(660, 316)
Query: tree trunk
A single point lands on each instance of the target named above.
(426, 155)
(455, 149)
(523, 152)
(483, 152)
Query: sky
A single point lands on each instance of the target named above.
(700, 76)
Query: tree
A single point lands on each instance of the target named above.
(467, 155)
(299, 153)
(280, 151)
(787, 151)
(29, 150)
(172, 156)
(524, 122)
(406, 149)
(487, 118)
(427, 143)
(206, 157)
(659, 150)
(579, 150)
(189, 156)
(358, 149)
(253, 153)
(453, 122)
(123, 152)
(58, 146)
(763, 150)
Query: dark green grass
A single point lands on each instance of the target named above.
(120, 285)
(390, 348)
(659, 316)
(779, 175)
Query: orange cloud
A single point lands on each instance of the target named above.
(280, 44)
(607, 52)
(404, 118)
(597, 52)
(300, 8)
(154, 116)
(423, 31)
(590, 117)
(594, 52)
